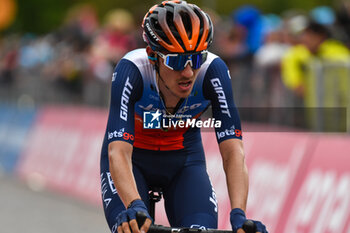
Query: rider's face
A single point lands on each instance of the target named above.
(179, 83)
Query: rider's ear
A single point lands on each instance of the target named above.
(152, 56)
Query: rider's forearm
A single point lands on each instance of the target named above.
(236, 172)
(120, 166)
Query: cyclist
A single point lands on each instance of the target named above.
(174, 78)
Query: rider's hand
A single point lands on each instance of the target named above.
(126, 220)
(237, 218)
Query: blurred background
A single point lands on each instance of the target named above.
(290, 68)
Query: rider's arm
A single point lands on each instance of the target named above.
(236, 172)
(217, 84)
(126, 89)
(120, 166)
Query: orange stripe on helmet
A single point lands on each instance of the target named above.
(190, 44)
(174, 1)
(152, 9)
(174, 46)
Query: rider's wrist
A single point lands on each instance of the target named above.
(132, 202)
(237, 211)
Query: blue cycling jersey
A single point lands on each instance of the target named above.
(135, 92)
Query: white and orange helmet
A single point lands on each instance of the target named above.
(177, 27)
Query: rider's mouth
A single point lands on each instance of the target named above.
(185, 85)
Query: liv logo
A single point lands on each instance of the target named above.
(151, 120)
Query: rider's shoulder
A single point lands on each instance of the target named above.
(139, 60)
(214, 59)
(213, 63)
(137, 56)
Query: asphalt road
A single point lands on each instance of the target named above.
(23, 210)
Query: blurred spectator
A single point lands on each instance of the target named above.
(294, 22)
(231, 42)
(304, 69)
(315, 43)
(343, 21)
(243, 37)
(327, 17)
(112, 43)
(80, 26)
(8, 62)
(35, 51)
(274, 46)
(267, 87)
(69, 48)
(249, 22)
(323, 15)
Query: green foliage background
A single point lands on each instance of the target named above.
(41, 16)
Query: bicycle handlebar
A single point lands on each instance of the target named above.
(163, 229)
(248, 227)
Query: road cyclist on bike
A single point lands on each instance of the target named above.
(153, 136)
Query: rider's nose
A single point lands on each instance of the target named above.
(187, 72)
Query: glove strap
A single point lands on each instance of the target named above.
(131, 203)
(238, 211)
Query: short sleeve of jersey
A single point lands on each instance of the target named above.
(217, 88)
(126, 89)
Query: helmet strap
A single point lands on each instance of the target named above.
(156, 66)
